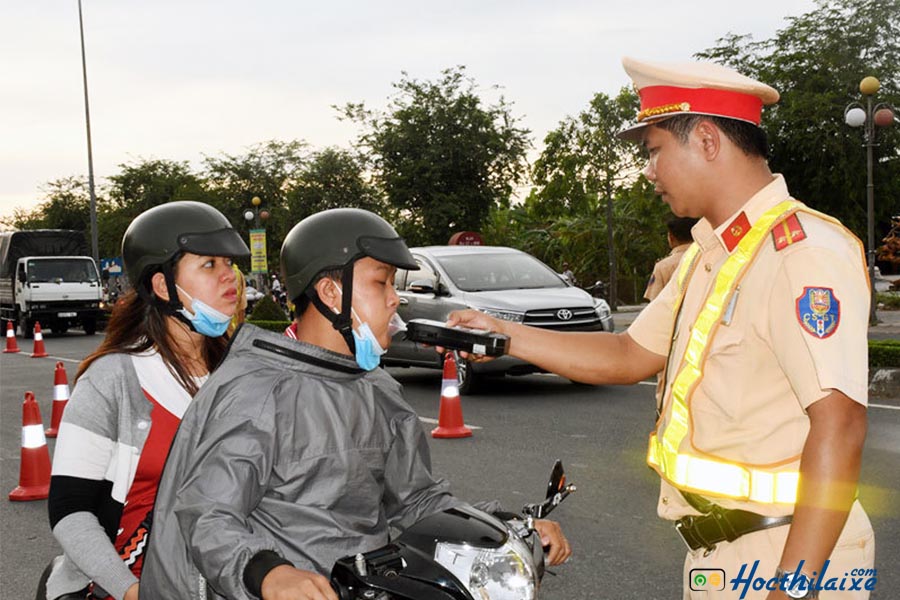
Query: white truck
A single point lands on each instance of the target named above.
(46, 276)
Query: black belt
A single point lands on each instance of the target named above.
(723, 525)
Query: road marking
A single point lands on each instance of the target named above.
(71, 360)
(653, 383)
(885, 406)
(436, 422)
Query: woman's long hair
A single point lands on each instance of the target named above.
(137, 325)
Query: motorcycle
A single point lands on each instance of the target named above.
(459, 554)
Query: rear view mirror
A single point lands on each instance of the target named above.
(421, 286)
(557, 480)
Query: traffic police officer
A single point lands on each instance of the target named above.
(761, 341)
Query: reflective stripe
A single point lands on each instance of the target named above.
(33, 436)
(10, 333)
(60, 392)
(703, 474)
(38, 336)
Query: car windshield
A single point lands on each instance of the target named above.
(59, 270)
(485, 272)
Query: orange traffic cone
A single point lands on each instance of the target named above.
(11, 344)
(60, 397)
(39, 351)
(34, 464)
(450, 419)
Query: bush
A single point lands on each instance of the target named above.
(267, 310)
(889, 301)
(884, 353)
(276, 326)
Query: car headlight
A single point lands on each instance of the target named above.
(504, 315)
(601, 308)
(504, 573)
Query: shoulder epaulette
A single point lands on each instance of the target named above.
(788, 232)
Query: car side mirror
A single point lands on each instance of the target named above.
(422, 286)
(21, 276)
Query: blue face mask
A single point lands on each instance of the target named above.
(205, 319)
(368, 350)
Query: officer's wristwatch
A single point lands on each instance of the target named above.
(803, 588)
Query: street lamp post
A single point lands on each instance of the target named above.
(870, 117)
(258, 259)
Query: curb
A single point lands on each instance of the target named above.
(884, 382)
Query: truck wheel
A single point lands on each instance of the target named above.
(27, 327)
(89, 326)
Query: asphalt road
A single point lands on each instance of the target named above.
(622, 550)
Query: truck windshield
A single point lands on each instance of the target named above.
(59, 270)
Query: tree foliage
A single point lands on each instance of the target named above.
(66, 205)
(442, 157)
(817, 62)
(587, 181)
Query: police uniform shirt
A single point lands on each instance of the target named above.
(663, 270)
(771, 358)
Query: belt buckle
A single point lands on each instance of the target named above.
(680, 526)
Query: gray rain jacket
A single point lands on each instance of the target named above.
(289, 448)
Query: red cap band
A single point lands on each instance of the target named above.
(658, 100)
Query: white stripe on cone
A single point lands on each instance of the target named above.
(33, 436)
(38, 336)
(61, 392)
(10, 333)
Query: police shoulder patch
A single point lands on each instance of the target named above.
(788, 232)
(818, 311)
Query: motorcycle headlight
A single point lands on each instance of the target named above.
(504, 315)
(504, 573)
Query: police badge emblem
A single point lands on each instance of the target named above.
(818, 311)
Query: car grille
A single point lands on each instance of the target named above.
(563, 318)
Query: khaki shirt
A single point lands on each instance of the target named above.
(764, 366)
(662, 271)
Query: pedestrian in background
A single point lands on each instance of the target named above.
(163, 339)
(678, 235)
(762, 343)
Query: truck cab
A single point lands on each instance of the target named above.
(46, 277)
(59, 292)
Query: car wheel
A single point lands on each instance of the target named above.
(465, 375)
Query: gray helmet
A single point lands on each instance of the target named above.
(334, 239)
(159, 235)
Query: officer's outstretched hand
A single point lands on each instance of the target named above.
(285, 582)
(473, 319)
(554, 542)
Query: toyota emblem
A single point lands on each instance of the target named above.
(564, 314)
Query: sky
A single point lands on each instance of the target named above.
(184, 79)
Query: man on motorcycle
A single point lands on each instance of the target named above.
(299, 452)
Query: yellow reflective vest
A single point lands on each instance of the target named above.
(670, 453)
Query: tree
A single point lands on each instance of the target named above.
(585, 166)
(140, 186)
(269, 170)
(442, 157)
(817, 62)
(332, 178)
(66, 205)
